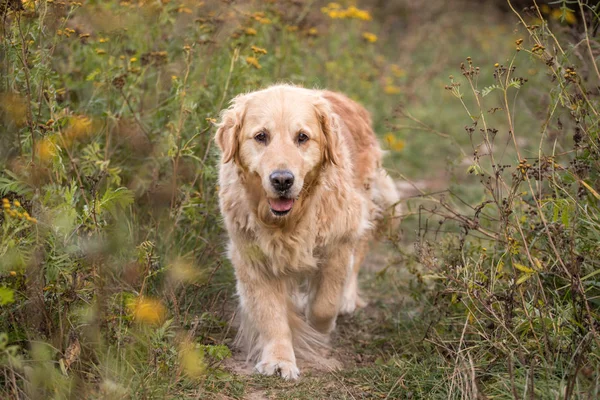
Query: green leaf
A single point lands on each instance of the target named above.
(488, 90)
(7, 296)
(112, 200)
(523, 268)
(523, 278)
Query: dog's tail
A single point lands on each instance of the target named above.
(387, 201)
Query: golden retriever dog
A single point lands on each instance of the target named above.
(301, 190)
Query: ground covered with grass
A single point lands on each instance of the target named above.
(113, 282)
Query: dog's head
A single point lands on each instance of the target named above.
(281, 136)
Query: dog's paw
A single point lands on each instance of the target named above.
(286, 369)
(351, 302)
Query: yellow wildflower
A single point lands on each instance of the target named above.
(254, 62)
(264, 21)
(133, 59)
(13, 273)
(397, 71)
(250, 31)
(393, 143)
(569, 17)
(191, 359)
(313, 32)
(369, 37)
(391, 89)
(45, 149)
(147, 311)
(17, 203)
(78, 127)
(258, 50)
(103, 40)
(14, 107)
(100, 52)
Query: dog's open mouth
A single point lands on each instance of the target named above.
(281, 206)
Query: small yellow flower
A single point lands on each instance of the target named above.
(254, 62)
(397, 71)
(191, 359)
(369, 37)
(6, 201)
(264, 21)
(393, 143)
(17, 203)
(313, 32)
(84, 35)
(103, 40)
(100, 52)
(391, 89)
(250, 31)
(79, 126)
(32, 220)
(13, 273)
(147, 311)
(133, 59)
(258, 50)
(45, 149)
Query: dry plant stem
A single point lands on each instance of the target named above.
(23, 59)
(577, 280)
(182, 117)
(557, 44)
(587, 40)
(236, 54)
(455, 214)
(134, 114)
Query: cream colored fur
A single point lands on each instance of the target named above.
(296, 273)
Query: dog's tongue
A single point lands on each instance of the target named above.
(281, 204)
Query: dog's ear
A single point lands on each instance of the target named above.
(228, 132)
(330, 127)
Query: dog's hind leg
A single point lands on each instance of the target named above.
(351, 299)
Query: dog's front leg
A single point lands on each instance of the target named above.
(263, 300)
(326, 289)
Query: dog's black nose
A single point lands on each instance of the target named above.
(282, 180)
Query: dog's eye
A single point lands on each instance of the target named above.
(302, 137)
(261, 137)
